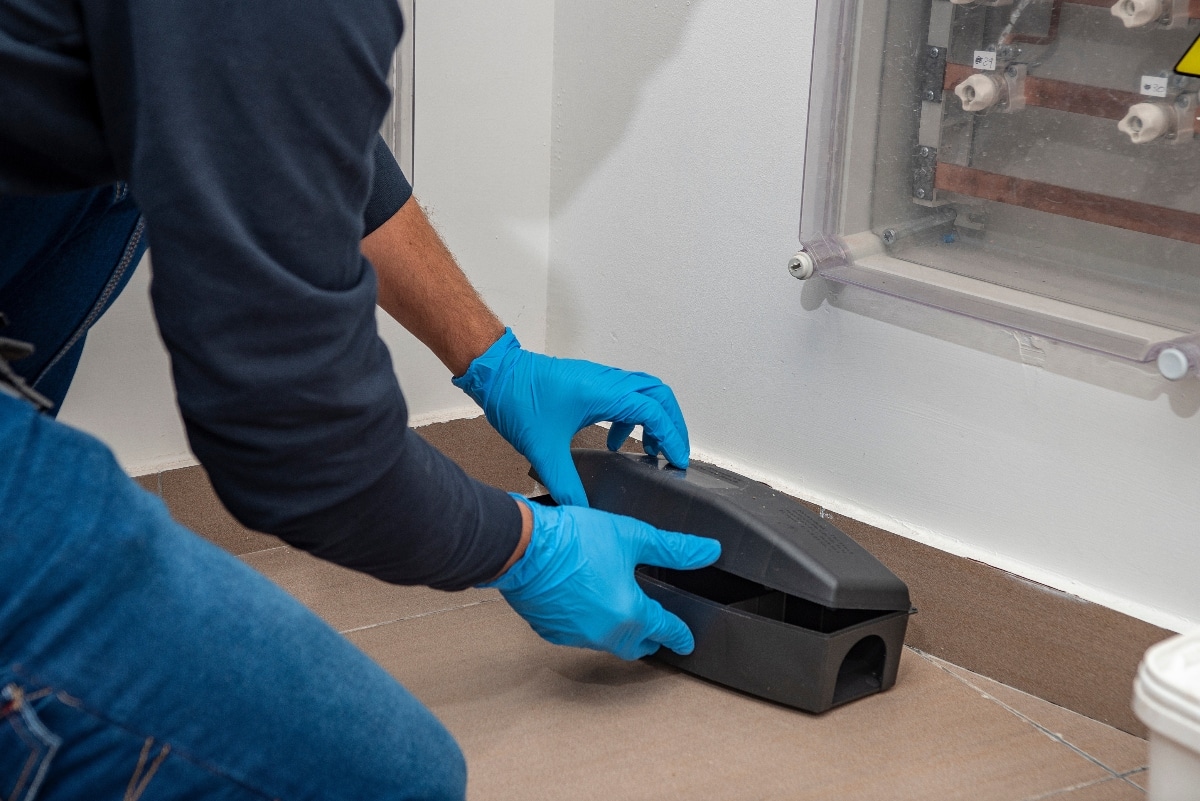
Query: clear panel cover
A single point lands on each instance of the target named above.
(1030, 162)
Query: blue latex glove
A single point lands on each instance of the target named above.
(538, 403)
(574, 584)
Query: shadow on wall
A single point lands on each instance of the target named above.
(644, 36)
(606, 58)
(1136, 380)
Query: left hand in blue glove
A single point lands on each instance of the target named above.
(538, 403)
(574, 584)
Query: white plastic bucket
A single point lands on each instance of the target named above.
(1166, 696)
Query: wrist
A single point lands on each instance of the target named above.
(473, 345)
(478, 377)
(523, 540)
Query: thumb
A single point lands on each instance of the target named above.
(676, 551)
(558, 473)
(664, 628)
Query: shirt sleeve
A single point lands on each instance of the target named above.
(389, 188)
(248, 133)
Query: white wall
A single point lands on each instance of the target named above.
(482, 167)
(677, 163)
(482, 151)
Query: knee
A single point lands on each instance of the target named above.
(437, 769)
(411, 756)
(448, 773)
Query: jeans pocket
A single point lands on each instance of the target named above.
(27, 747)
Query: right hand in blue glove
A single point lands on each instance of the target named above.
(538, 403)
(574, 584)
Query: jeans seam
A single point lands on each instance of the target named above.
(142, 774)
(27, 787)
(70, 700)
(98, 306)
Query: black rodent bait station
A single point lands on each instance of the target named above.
(794, 611)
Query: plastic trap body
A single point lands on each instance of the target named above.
(794, 611)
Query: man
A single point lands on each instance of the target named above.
(238, 139)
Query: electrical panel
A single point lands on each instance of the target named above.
(1033, 163)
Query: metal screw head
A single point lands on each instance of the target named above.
(1183, 101)
(934, 52)
(920, 193)
(802, 265)
(889, 235)
(929, 95)
(923, 150)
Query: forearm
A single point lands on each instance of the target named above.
(423, 289)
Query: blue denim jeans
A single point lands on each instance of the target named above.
(63, 261)
(136, 659)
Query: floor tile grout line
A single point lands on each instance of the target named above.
(420, 615)
(1053, 736)
(1140, 771)
(1071, 789)
(263, 550)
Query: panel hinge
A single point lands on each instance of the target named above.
(924, 168)
(933, 74)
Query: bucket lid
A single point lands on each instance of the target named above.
(1167, 692)
(766, 536)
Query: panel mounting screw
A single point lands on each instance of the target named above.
(889, 236)
(924, 151)
(934, 52)
(920, 193)
(801, 265)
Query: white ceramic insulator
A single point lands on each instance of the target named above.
(1145, 122)
(1136, 13)
(1173, 364)
(977, 93)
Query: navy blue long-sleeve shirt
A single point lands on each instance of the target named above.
(247, 133)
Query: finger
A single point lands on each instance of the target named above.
(657, 424)
(680, 452)
(650, 444)
(676, 551)
(666, 398)
(664, 628)
(618, 434)
(558, 473)
(644, 648)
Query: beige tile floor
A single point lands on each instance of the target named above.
(541, 722)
